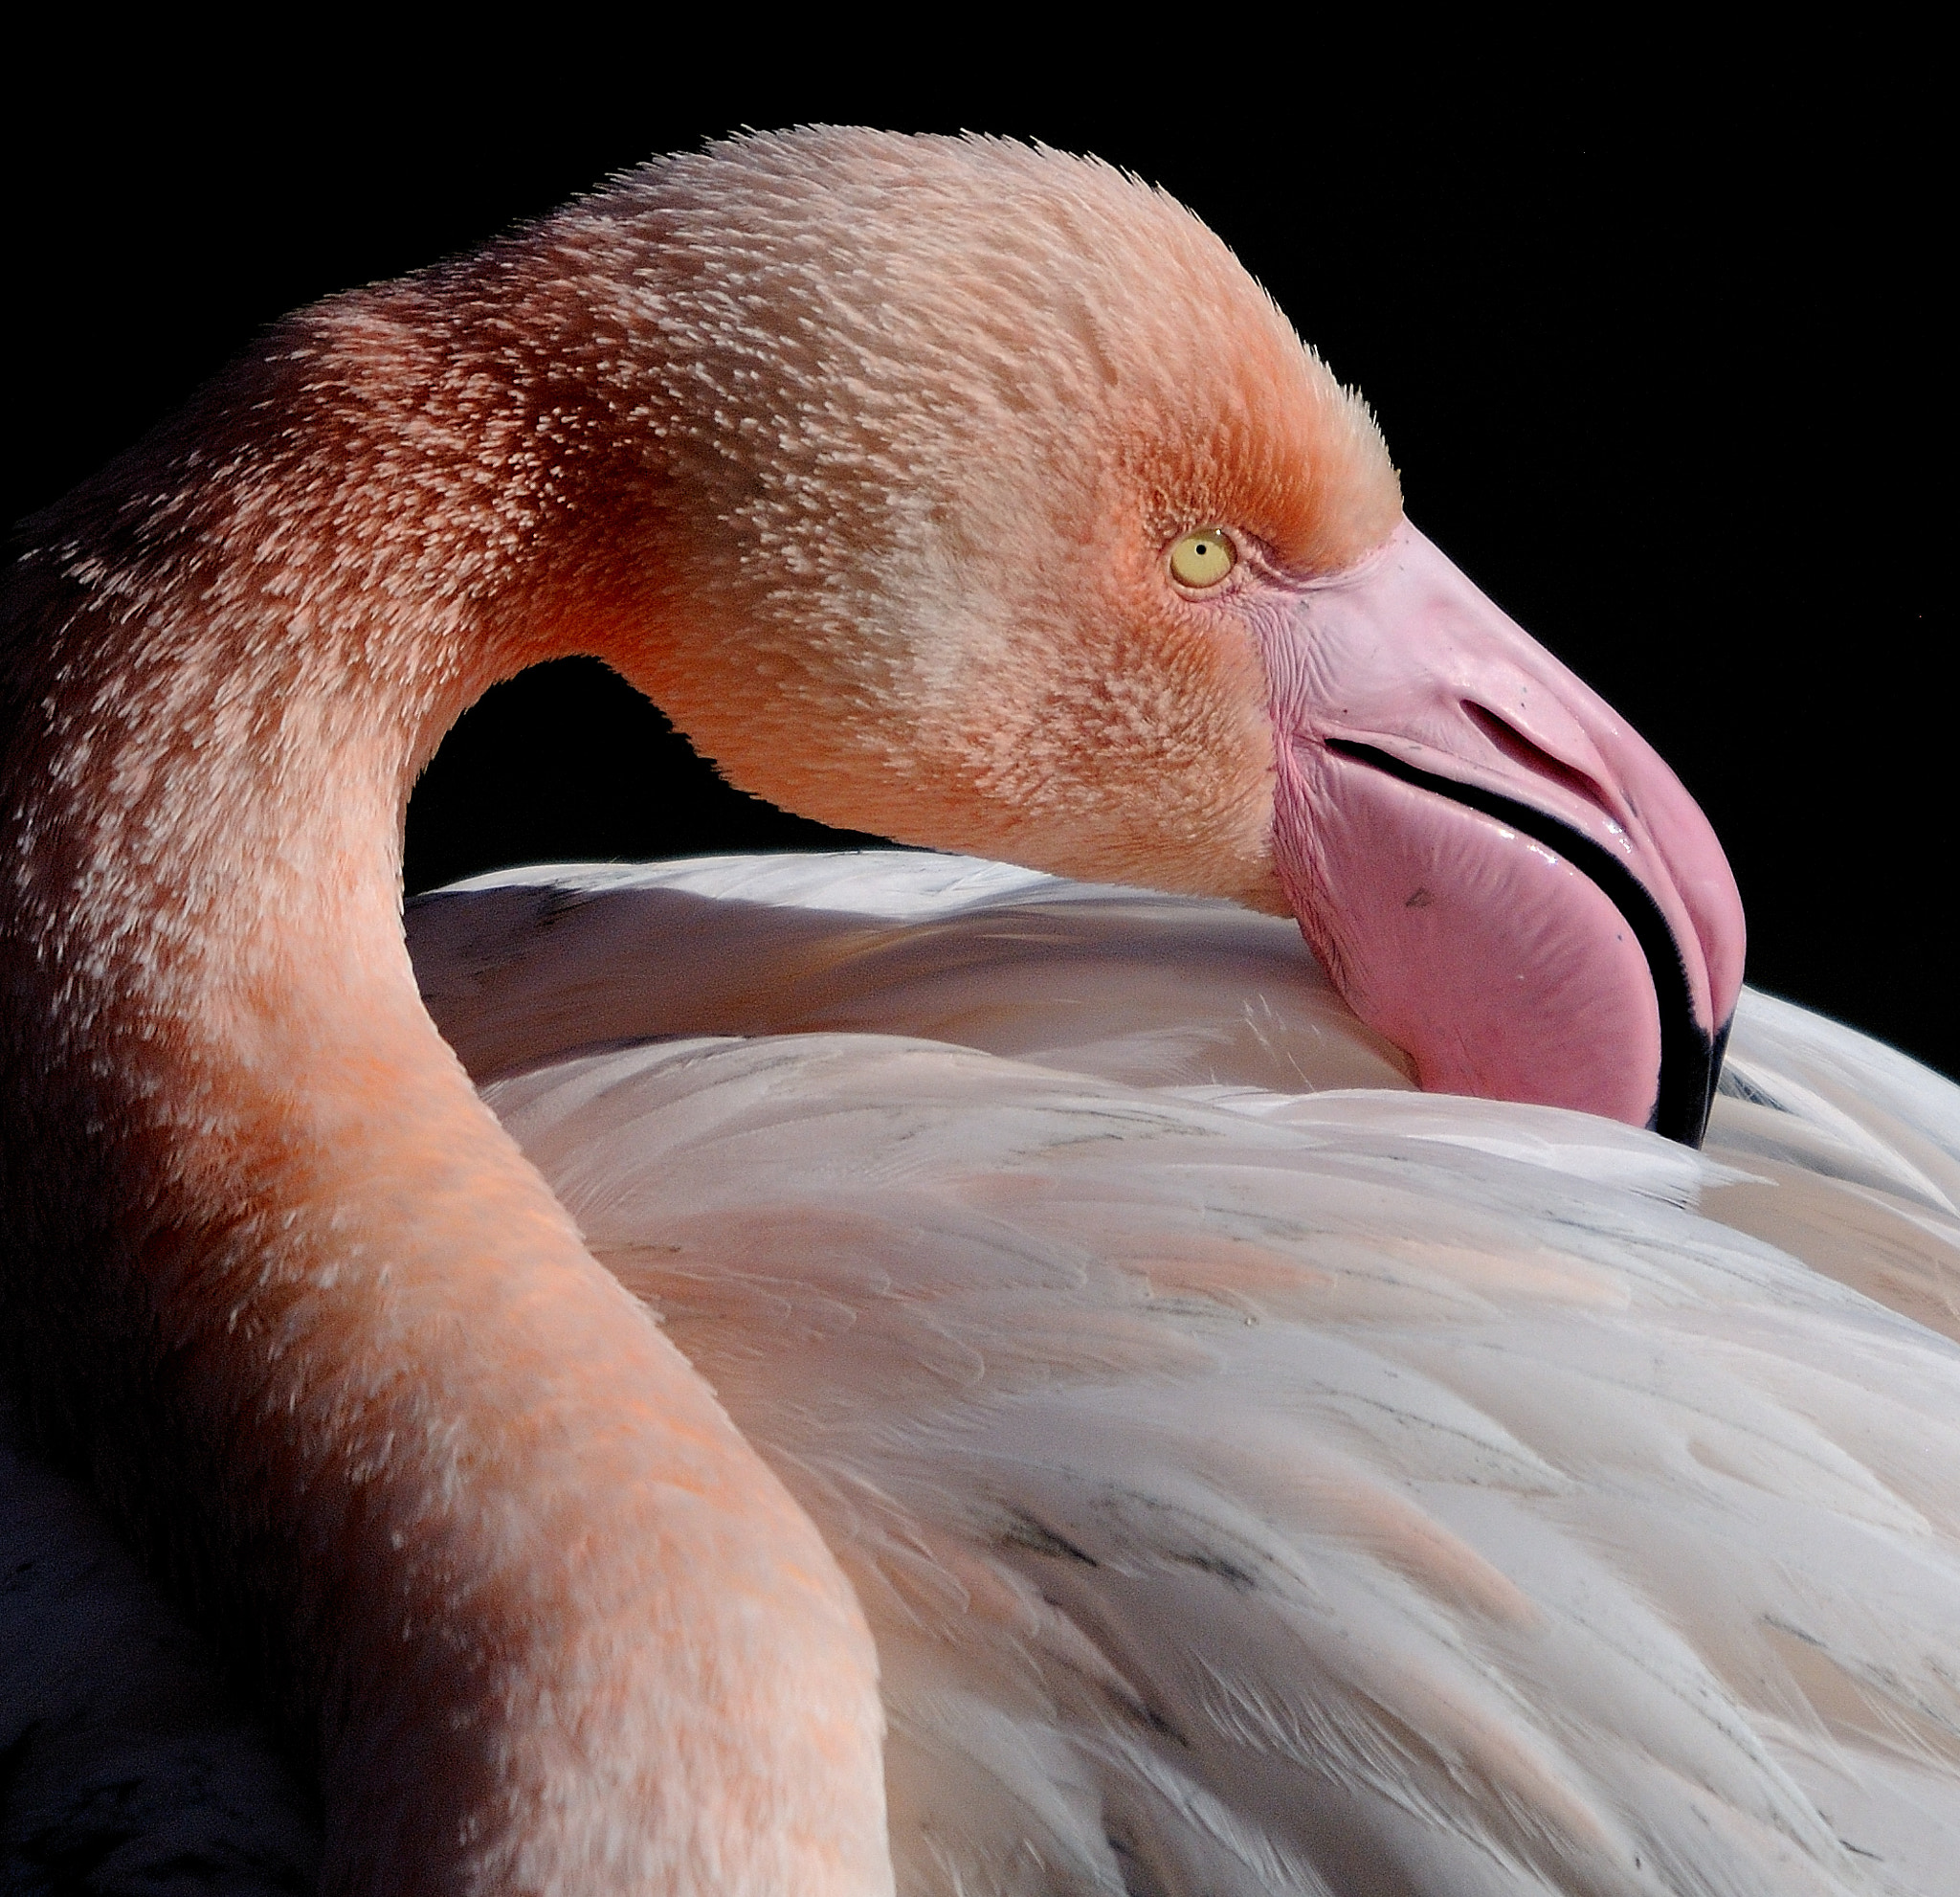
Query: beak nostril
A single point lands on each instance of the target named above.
(1522, 751)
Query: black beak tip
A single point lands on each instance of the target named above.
(1691, 1072)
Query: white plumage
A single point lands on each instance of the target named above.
(1258, 1476)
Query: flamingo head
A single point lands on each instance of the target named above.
(1025, 524)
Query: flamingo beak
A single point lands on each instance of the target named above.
(1498, 874)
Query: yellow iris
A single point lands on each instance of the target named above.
(1203, 558)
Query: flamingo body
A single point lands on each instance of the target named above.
(975, 494)
(1252, 1482)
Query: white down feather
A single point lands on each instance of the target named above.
(1259, 1477)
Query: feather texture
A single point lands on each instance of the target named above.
(1256, 1476)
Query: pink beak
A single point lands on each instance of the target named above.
(1498, 874)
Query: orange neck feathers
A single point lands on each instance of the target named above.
(275, 1277)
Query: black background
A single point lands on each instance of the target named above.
(1654, 353)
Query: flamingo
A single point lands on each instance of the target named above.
(970, 494)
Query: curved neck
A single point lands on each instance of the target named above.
(323, 1338)
(234, 651)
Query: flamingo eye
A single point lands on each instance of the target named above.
(1202, 559)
